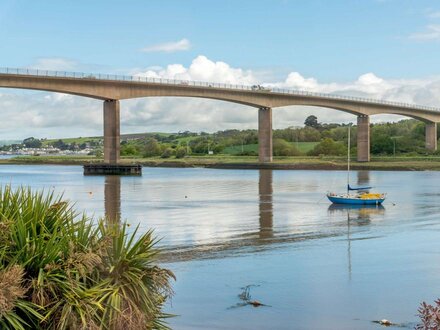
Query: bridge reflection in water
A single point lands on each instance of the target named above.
(265, 192)
(357, 215)
(112, 201)
(264, 235)
(112, 198)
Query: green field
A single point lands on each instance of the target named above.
(78, 140)
(234, 150)
(304, 147)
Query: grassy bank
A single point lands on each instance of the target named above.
(226, 161)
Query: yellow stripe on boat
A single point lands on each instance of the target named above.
(371, 196)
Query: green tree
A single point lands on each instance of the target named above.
(152, 148)
(381, 144)
(312, 121)
(167, 153)
(328, 147)
(283, 148)
(32, 142)
(181, 152)
(129, 150)
(60, 145)
(309, 134)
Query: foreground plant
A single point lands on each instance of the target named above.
(61, 271)
(429, 315)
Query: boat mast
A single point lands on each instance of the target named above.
(348, 159)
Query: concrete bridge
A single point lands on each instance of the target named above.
(112, 88)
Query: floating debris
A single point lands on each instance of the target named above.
(256, 303)
(245, 297)
(387, 323)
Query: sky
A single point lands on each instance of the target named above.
(386, 49)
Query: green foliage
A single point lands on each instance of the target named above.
(181, 152)
(381, 143)
(98, 153)
(311, 121)
(283, 148)
(405, 136)
(32, 143)
(167, 153)
(129, 150)
(152, 148)
(249, 149)
(328, 147)
(61, 271)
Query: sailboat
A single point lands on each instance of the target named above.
(355, 195)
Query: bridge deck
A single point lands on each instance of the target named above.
(266, 89)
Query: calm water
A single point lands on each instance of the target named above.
(316, 266)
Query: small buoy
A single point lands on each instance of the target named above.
(90, 193)
(186, 196)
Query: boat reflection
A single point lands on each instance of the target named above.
(361, 214)
(356, 215)
(112, 198)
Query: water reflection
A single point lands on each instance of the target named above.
(112, 198)
(363, 178)
(360, 214)
(357, 215)
(265, 192)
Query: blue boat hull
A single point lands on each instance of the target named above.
(355, 201)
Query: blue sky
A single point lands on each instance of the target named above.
(334, 46)
(330, 40)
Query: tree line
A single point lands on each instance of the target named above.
(406, 137)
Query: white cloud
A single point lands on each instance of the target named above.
(432, 32)
(55, 64)
(434, 14)
(169, 47)
(56, 115)
(202, 69)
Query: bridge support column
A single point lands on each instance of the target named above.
(265, 135)
(111, 131)
(431, 136)
(363, 138)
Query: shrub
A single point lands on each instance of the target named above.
(129, 150)
(62, 271)
(152, 148)
(167, 153)
(429, 315)
(180, 152)
(328, 147)
(283, 148)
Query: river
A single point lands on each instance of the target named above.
(315, 266)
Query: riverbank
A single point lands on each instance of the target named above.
(430, 163)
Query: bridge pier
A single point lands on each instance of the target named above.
(265, 135)
(363, 138)
(111, 165)
(431, 136)
(111, 131)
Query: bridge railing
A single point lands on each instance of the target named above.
(188, 83)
